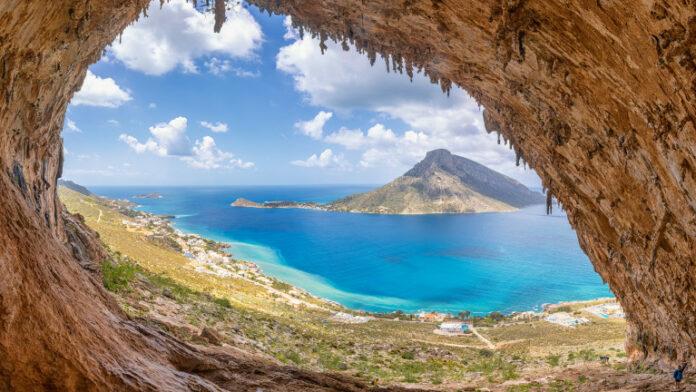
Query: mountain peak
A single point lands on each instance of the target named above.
(438, 154)
(477, 177)
(444, 182)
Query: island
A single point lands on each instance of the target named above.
(441, 183)
(242, 202)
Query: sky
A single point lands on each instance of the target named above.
(173, 103)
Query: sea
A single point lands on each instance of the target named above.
(480, 263)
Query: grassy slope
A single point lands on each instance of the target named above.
(163, 289)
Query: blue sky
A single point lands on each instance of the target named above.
(172, 103)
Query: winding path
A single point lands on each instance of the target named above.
(487, 342)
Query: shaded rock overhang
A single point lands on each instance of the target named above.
(598, 96)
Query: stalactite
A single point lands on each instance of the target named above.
(220, 16)
(517, 157)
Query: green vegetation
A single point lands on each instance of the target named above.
(495, 368)
(281, 286)
(553, 360)
(117, 275)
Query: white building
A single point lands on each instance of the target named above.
(454, 327)
(565, 319)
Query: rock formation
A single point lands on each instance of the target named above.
(597, 96)
(443, 183)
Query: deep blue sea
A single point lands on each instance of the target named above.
(477, 262)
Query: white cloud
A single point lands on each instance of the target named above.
(218, 127)
(344, 81)
(176, 35)
(220, 67)
(206, 155)
(148, 146)
(152, 105)
(113, 122)
(314, 128)
(170, 140)
(171, 136)
(327, 159)
(238, 163)
(354, 139)
(71, 126)
(102, 92)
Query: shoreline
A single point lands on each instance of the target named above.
(321, 284)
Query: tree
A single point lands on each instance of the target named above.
(496, 316)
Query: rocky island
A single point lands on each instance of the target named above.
(242, 202)
(441, 183)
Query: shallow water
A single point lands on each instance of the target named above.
(476, 262)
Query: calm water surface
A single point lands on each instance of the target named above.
(476, 262)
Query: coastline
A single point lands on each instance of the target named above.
(193, 298)
(274, 267)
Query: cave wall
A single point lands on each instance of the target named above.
(597, 96)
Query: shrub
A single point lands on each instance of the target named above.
(292, 356)
(117, 276)
(587, 355)
(281, 286)
(496, 316)
(224, 302)
(553, 360)
(408, 355)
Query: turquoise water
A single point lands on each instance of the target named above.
(477, 262)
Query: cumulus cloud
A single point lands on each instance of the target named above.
(314, 128)
(344, 81)
(218, 127)
(353, 139)
(102, 92)
(327, 159)
(169, 140)
(70, 126)
(149, 146)
(176, 35)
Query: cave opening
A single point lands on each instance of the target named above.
(594, 139)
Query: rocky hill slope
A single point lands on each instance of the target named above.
(443, 183)
(75, 187)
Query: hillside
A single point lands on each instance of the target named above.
(443, 183)
(229, 306)
(75, 187)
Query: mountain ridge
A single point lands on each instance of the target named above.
(443, 183)
(440, 183)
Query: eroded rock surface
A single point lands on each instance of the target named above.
(597, 95)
